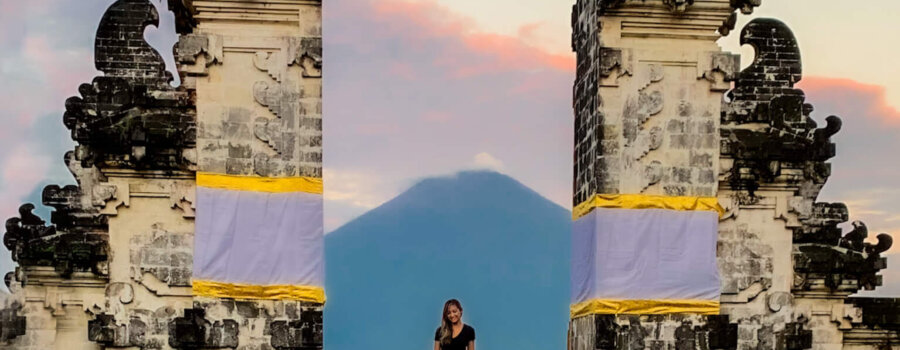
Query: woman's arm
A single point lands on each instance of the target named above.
(437, 345)
(471, 345)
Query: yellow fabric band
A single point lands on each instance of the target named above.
(640, 201)
(260, 184)
(256, 292)
(644, 307)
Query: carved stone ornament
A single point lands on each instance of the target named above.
(131, 116)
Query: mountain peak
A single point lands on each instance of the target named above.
(477, 236)
(466, 191)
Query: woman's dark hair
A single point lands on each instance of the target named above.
(446, 326)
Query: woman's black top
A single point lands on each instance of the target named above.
(460, 341)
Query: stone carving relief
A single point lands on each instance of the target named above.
(746, 265)
(678, 6)
(305, 53)
(720, 69)
(295, 132)
(196, 52)
(167, 256)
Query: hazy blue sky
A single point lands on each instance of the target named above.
(420, 88)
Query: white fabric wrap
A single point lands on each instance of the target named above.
(259, 238)
(645, 254)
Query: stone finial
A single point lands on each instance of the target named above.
(131, 116)
(764, 93)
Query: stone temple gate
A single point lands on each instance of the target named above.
(660, 110)
(113, 268)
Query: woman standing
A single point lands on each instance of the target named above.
(453, 334)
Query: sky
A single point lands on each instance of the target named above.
(439, 86)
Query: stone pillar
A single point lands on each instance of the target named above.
(648, 95)
(254, 68)
(254, 71)
(648, 99)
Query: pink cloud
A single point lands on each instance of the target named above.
(529, 31)
(512, 53)
(403, 71)
(850, 95)
(22, 171)
(860, 175)
(45, 77)
(421, 22)
(437, 116)
(371, 129)
(63, 70)
(431, 18)
(14, 13)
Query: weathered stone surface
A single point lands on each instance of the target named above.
(168, 256)
(282, 325)
(633, 332)
(12, 324)
(193, 331)
(640, 126)
(305, 333)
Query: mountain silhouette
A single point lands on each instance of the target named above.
(478, 236)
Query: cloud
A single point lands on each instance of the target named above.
(350, 193)
(18, 175)
(485, 160)
(437, 116)
(872, 97)
(864, 175)
(356, 189)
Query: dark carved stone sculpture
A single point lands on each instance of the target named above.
(131, 116)
(790, 140)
